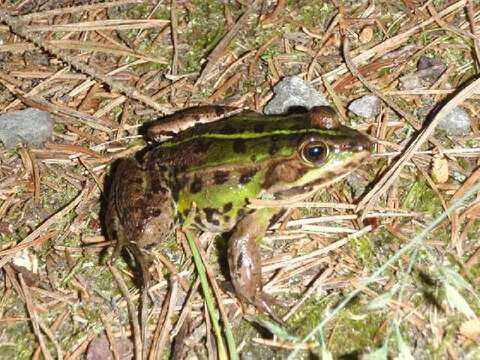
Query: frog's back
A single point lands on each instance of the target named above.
(219, 166)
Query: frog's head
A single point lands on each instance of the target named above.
(326, 152)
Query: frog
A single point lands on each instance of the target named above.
(208, 175)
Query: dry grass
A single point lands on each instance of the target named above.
(103, 69)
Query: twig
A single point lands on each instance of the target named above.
(220, 48)
(33, 318)
(353, 69)
(55, 326)
(73, 9)
(476, 41)
(325, 274)
(174, 34)
(110, 336)
(137, 338)
(167, 324)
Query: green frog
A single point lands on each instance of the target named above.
(209, 173)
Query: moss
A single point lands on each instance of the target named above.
(464, 164)
(352, 330)
(420, 197)
(310, 13)
(23, 345)
(362, 249)
(205, 29)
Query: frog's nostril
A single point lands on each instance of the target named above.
(363, 144)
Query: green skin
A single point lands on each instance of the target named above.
(216, 168)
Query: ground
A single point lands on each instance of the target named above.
(366, 270)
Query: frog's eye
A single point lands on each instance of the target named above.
(314, 152)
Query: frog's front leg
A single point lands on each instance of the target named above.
(244, 258)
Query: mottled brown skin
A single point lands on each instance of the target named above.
(140, 212)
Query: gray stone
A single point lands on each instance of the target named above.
(367, 106)
(430, 69)
(293, 92)
(29, 126)
(456, 123)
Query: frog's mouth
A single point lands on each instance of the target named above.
(298, 193)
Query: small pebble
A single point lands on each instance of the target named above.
(430, 69)
(440, 169)
(291, 93)
(367, 106)
(366, 35)
(30, 126)
(456, 123)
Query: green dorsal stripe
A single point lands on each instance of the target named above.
(249, 135)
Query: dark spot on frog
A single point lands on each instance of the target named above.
(259, 128)
(253, 158)
(175, 194)
(155, 212)
(228, 129)
(273, 147)
(198, 220)
(226, 218)
(150, 246)
(240, 214)
(185, 213)
(220, 177)
(196, 186)
(247, 177)
(157, 187)
(209, 213)
(239, 146)
(227, 207)
(179, 218)
(240, 261)
(219, 111)
(276, 217)
(202, 146)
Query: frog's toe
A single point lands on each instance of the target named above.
(264, 303)
(117, 251)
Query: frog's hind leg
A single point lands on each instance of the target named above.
(123, 219)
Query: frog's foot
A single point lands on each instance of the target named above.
(142, 263)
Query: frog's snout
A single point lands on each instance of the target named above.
(362, 143)
(358, 143)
